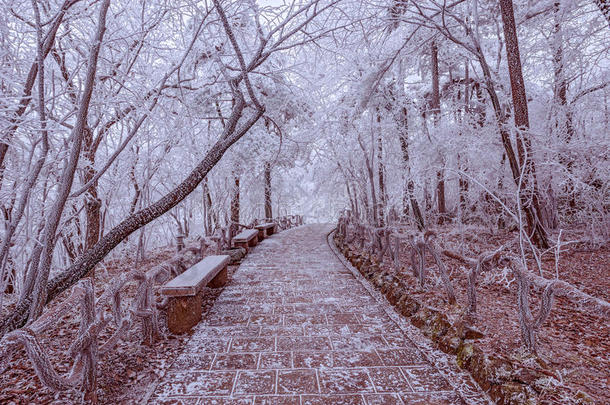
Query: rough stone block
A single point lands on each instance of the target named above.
(184, 312)
(243, 245)
(219, 280)
(261, 234)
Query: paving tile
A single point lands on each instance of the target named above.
(344, 381)
(196, 383)
(279, 330)
(295, 327)
(192, 361)
(426, 379)
(201, 345)
(313, 359)
(389, 379)
(382, 399)
(277, 400)
(275, 360)
(332, 399)
(432, 399)
(396, 340)
(400, 357)
(341, 318)
(226, 320)
(356, 358)
(265, 320)
(303, 342)
(258, 344)
(302, 381)
(357, 342)
(175, 401)
(284, 309)
(225, 401)
(235, 361)
(255, 382)
(304, 319)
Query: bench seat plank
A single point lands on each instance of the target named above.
(196, 277)
(265, 230)
(246, 235)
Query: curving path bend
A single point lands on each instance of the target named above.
(296, 326)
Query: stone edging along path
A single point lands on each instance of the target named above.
(296, 326)
(506, 382)
(461, 380)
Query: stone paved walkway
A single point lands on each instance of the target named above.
(295, 327)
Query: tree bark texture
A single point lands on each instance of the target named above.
(235, 200)
(67, 177)
(409, 187)
(268, 210)
(529, 194)
(435, 105)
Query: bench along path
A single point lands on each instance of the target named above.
(295, 326)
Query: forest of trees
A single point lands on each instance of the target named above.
(124, 123)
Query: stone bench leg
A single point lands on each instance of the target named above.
(241, 245)
(220, 279)
(253, 241)
(261, 234)
(184, 312)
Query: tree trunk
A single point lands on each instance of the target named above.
(435, 105)
(349, 196)
(530, 196)
(380, 172)
(435, 101)
(463, 167)
(235, 200)
(268, 211)
(67, 177)
(207, 209)
(408, 191)
(92, 202)
(563, 124)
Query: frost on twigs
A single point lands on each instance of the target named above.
(528, 323)
(83, 349)
(87, 346)
(385, 241)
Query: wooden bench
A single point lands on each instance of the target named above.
(246, 238)
(265, 230)
(185, 291)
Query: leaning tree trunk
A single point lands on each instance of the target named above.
(91, 257)
(67, 177)
(530, 196)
